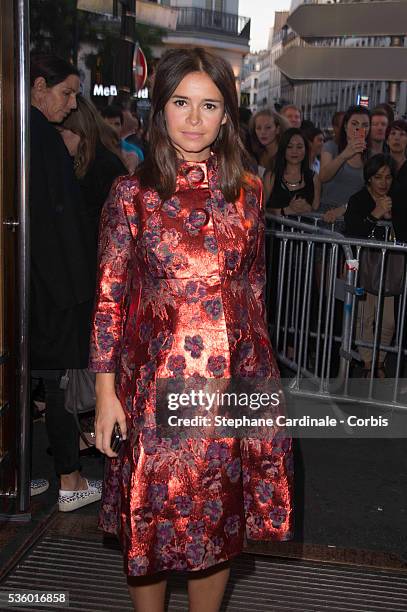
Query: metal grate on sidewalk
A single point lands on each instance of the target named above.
(93, 576)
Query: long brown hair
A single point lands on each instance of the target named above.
(86, 122)
(160, 168)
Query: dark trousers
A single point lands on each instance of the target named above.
(62, 431)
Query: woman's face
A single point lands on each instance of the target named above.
(71, 141)
(317, 144)
(357, 127)
(295, 151)
(58, 101)
(194, 115)
(266, 130)
(397, 141)
(380, 182)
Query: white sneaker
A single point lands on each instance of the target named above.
(38, 486)
(72, 500)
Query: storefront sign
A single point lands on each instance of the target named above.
(101, 90)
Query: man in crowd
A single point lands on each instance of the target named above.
(293, 115)
(379, 123)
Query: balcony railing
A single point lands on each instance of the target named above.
(205, 20)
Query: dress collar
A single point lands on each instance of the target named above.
(197, 175)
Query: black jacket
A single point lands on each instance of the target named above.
(62, 262)
(360, 224)
(96, 184)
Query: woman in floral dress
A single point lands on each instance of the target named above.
(180, 295)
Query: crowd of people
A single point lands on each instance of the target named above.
(165, 208)
(354, 178)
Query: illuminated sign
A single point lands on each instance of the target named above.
(111, 90)
(362, 101)
(101, 90)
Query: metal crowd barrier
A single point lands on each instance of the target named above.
(313, 297)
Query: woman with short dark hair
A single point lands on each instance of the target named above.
(375, 202)
(62, 269)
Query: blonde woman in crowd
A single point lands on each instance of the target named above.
(265, 130)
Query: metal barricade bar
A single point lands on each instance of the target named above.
(317, 271)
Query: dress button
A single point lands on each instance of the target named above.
(194, 175)
(199, 217)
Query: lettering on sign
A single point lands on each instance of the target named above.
(102, 90)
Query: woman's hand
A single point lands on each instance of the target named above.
(298, 206)
(108, 412)
(332, 215)
(358, 145)
(383, 208)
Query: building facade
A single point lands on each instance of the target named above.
(214, 25)
(318, 100)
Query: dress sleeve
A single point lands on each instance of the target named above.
(116, 245)
(257, 273)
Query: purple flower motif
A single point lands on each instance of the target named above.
(213, 308)
(210, 244)
(232, 525)
(145, 331)
(126, 473)
(143, 518)
(138, 565)
(157, 495)
(195, 553)
(269, 468)
(218, 544)
(217, 454)
(172, 207)
(163, 254)
(177, 364)
(194, 292)
(246, 350)
(246, 475)
(248, 500)
(183, 504)
(234, 470)
(151, 239)
(149, 442)
(251, 198)
(116, 291)
(282, 441)
(278, 516)
(165, 533)
(217, 365)
(171, 237)
(147, 371)
(120, 238)
(218, 202)
(213, 509)
(232, 258)
(263, 370)
(159, 343)
(255, 523)
(264, 491)
(151, 199)
(195, 345)
(196, 529)
(289, 463)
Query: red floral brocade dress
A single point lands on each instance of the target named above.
(180, 293)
